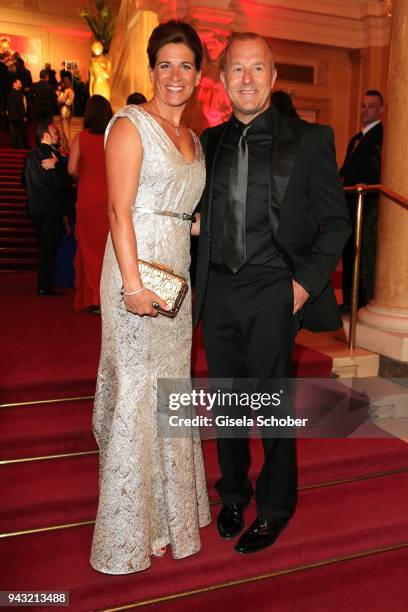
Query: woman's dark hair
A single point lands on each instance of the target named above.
(98, 113)
(284, 103)
(174, 32)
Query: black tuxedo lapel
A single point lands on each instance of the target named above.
(284, 151)
(213, 148)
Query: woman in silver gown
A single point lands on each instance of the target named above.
(152, 488)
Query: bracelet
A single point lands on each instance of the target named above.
(123, 292)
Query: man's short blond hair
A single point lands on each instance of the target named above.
(235, 36)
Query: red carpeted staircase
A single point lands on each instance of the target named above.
(351, 524)
(18, 246)
(352, 503)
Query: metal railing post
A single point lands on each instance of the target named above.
(356, 267)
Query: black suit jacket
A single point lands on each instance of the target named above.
(49, 192)
(308, 214)
(15, 105)
(363, 163)
(44, 97)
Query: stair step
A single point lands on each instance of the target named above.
(4, 251)
(12, 210)
(11, 189)
(14, 241)
(10, 199)
(9, 212)
(17, 264)
(379, 582)
(336, 521)
(11, 151)
(9, 232)
(319, 462)
(18, 221)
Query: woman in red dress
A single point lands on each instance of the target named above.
(87, 165)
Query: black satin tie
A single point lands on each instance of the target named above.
(234, 237)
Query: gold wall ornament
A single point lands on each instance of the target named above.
(100, 68)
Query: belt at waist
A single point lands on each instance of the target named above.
(277, 262)
(167, 213)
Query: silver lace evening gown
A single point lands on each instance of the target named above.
(152, 489)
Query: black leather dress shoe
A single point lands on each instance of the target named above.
(259, 535)
(49, 292)
(230, 520)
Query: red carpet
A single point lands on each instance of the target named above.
(60, 560)
(51, 351)
(45, 493)
(353, 496)
(18, 246)
(371, 584)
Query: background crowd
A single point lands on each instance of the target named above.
(25, 103)
(28, 108)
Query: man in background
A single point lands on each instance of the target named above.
(362, 164)
(49, 195)
(17, 115)
(51, 75)
(44, 98)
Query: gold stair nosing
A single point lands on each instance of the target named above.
(58, 400)
(274, 574)
(47, 457)
(13, 534)
(212, 502)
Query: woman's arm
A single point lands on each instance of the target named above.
(124, 154)
(195, 227)
(74, 155)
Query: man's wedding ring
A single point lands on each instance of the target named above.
(156, 305)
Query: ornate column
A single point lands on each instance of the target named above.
(384, 322)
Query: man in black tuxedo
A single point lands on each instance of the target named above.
(362, 164)
(52, 79)
(49, 195)
(273, 226)
(44, 98)
(17, 115)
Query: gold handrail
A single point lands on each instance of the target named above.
(393, 195)
(361, 189)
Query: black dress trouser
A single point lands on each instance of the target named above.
(249, 332)
(18, 133)
(48, 230)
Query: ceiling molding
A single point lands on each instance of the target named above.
(351, 24)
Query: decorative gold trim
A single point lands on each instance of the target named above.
(12, 534)
(331, 483)
(274, 574)
(58, 400)
(46, 457)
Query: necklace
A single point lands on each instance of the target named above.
(158, 114)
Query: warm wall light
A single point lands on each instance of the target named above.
(389, 6)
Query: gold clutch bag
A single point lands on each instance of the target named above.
(168, 286)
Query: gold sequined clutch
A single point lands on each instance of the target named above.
(168, 286)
